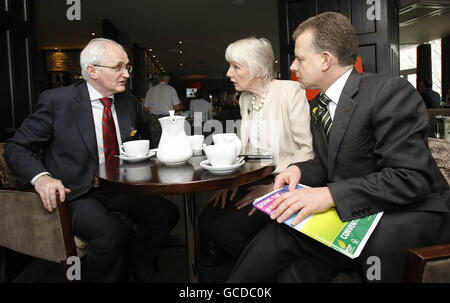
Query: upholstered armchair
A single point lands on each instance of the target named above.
(26, 227)
(432, 263)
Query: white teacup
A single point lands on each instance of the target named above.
(134, 149)
(220, 155)
(229, 139)
(196, 141)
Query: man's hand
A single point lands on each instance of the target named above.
(47, 188)
(306, 201)
(256, 191)
(290, 175)
(221, 195)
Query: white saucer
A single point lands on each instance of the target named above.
(137, 159)
(221, 169)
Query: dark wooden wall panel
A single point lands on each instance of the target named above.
(18, 9)
(18, 52)
(368, 54)
(6, 120)
(359, 19)
(327, 5)
(21, 88)
(378, 39)
(445, 49)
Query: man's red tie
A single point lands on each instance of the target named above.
(110, 145)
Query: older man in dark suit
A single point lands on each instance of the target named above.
(370, 139)
(77, 127)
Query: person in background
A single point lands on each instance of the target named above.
(78, 127)
(159, 100)
(446, 102)
(230, 101)
(275, 120)
(201, 105)
(371, 155)
(432, 99)
(229, 111)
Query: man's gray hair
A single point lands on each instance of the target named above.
(256, 54)
(164, 77)
(94, 53)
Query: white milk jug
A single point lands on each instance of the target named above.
(174, 146)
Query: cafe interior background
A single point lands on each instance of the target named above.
(40, 43)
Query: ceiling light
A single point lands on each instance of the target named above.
(92, 34)
(180, 42)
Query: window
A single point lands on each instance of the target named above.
(436, 63)
(408, 63)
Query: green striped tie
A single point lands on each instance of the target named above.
(324, 114)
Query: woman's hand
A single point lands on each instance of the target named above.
(221, 195)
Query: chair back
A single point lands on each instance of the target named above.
(440, 149)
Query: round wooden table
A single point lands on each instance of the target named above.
(154, 178)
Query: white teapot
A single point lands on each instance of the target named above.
(174, 146)
(229, 139)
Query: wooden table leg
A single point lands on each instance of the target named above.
(192, 236)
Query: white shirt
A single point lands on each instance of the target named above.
(335, 90)
(161, 98)
(97, 113)
(202, 107)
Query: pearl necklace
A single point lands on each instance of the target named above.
(260, 104)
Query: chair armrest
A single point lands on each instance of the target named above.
(28, 228)
(418, 260)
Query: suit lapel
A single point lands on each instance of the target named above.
(123, 116)
(84, 120)
(342, 117)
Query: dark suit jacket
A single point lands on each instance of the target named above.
(377, 158)
(62, 126)
(431, 98)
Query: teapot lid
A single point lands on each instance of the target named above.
(172, 116)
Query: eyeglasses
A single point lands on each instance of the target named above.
(118, 68)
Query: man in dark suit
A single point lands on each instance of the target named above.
(77, 127)
(431, 98)
(370, 139)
